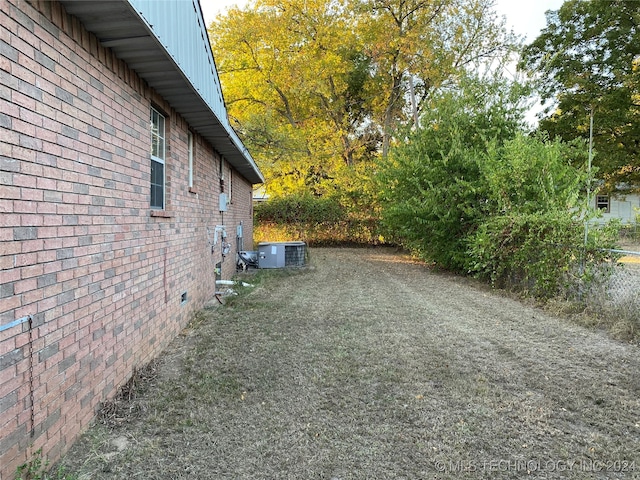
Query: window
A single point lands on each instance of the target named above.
(225, 181)
(157, 159)
(602, 203)
(221, 174)
(190, 146)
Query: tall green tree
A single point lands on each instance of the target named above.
(587, 60)
(418, 46)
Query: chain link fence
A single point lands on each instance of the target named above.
(623, 287)
(613, 289)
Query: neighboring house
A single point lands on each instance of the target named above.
(622, 206)
(124, 191)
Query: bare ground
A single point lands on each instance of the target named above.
(368, 365)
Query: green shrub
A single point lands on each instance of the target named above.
(318, 221)
(533, 231)
(432, 191)
(299, 209)
(472, 194)
(528, 251)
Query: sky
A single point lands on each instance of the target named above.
(526, 17)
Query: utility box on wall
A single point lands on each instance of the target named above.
(281, 254)
(224, 202)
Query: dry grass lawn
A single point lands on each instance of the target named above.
(367, 365)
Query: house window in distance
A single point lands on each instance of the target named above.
(602, 203)
(157, 159)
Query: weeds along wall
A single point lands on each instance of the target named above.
(94, 283)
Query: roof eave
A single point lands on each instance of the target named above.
(118, 26)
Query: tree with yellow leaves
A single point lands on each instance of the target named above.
(317, 89)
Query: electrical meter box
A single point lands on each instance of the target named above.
(224, 201)
(281, 254)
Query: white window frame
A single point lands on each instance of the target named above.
(158, 137)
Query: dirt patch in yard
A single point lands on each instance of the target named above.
(370, 365)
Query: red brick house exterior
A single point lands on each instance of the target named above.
(94, 280)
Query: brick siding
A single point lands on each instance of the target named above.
(95, 275)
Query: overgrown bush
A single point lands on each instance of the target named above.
(318, 221)
(432, 193)
(531, 252)
(299, 209)
(473, 194)
(533, 230)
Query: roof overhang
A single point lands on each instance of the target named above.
(118, 26)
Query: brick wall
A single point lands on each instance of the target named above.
(95, 277)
